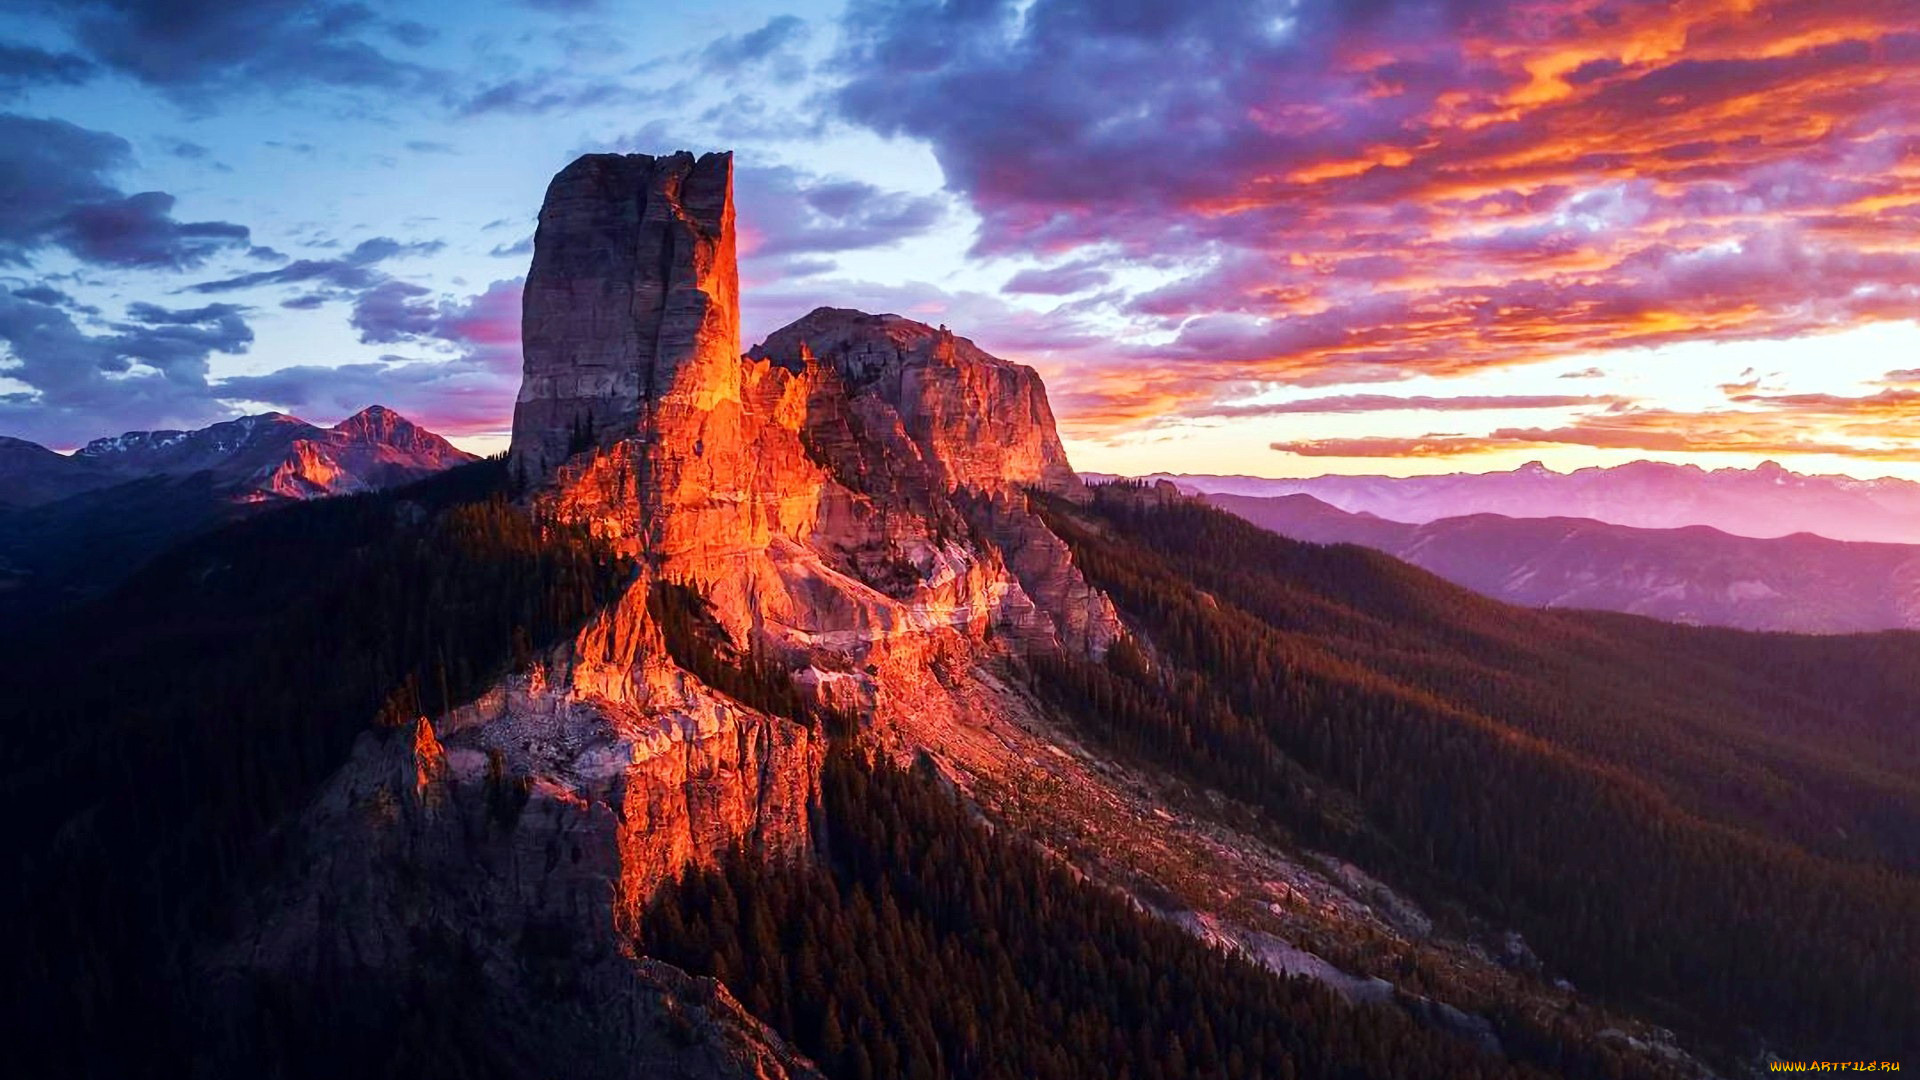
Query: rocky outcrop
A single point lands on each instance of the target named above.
(851, 501)
(633, 280)
(523, 834)
(850, 496)
(978, 420)
(824, 490)
(530, 806)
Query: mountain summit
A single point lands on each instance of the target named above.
(851, 479)
(276, 456)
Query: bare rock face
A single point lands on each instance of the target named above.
(372, 449)
(633, 280)
(535, 806)
(526, 832)
(826, 490)
(850, 500)
(979, 421)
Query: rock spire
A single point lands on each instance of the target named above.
(633, 281)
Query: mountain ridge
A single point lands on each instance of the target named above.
(1764, 502)
(73, 525)
(259, 456)
(1691, 574)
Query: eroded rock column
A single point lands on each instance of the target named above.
(633, 280)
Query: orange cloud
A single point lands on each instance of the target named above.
(1890, 420)
(1405, 188)
(1724, 173)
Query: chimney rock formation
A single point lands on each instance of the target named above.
(818, 488)
(633, 280)
(850, 504)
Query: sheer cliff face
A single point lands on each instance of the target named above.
(848, 498)
(633, 286)
(631, 327)
(848, 492)
(979, 420)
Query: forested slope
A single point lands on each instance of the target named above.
(158, 735)
(1712, 827)
(1652, 805)
(920, 943)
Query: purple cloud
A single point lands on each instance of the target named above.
(1352, 192)
(470, 391)
(1062, 280)
(734, 51)
(55, 191)
(786, 211)
(195, 50)
(355, 270)
(148, 370)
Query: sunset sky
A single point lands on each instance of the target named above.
(1271, 238)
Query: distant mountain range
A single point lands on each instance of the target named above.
(1765, 501)
(1695, 574)
(73, 524)
(252, 459)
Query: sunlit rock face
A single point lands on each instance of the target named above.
(633, 280)
(517, 837)
(851, 499)
(372, 449)
(852, 487)
(978, 420)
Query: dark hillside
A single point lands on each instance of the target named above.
(156, 738)
(920, 943)
(1651, 805)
